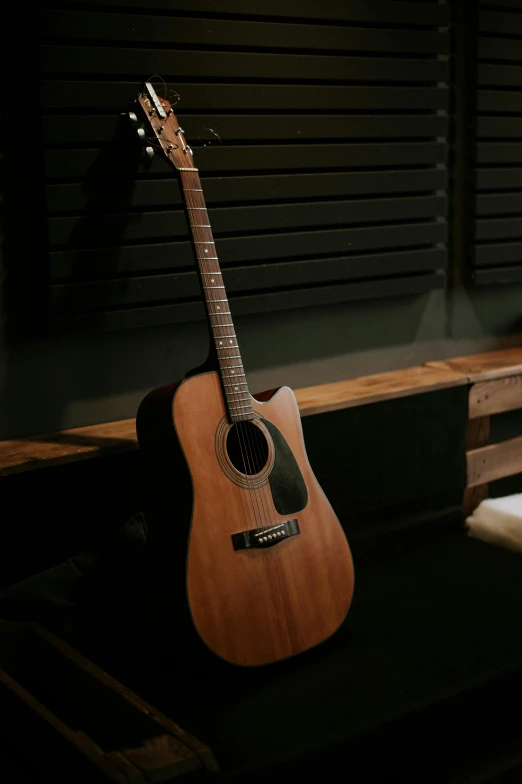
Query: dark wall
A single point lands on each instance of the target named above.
(342, 190)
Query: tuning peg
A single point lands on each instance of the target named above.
(148, 152)
(141, 134)
(133, 118)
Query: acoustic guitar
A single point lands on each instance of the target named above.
(269, 569)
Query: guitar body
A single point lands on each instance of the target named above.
(255, 606)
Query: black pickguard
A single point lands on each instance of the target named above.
(287, 485)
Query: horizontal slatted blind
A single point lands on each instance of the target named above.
(327, 182)
(498, 206)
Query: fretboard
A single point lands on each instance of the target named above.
(235, 388)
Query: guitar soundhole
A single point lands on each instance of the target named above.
(247, 448)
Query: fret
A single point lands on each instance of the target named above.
(197, 208)
(232, 356)
(195, 190)
(248, 406)
(215, 300)
(223, 313)
(235, 384)
(208, 258)
(221, 325)
(203, 242)
(212, 273)
(232, 335)
(226, 348)
(200, 225)
(215, 287)
(234, 398)
(228, 367)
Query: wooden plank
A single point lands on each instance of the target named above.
(499, 75)
(61, 164)
(477, 436)
(66, 446)
(501, 22)
(493, 462)
(241, 189)
(86, 230)
(134, 318)
(506, 101)
(81, 129)
(498, 203)
(498, 228)
(501, 275)
(92, 96)
(499, 126)
(483, 367)
(262, 247)
(499, 48)
(374, 389)
(125, 61)
(498, 253)
(82, 443)
(133, 28)
(87, 296)
(499, 179)
(495, 397)
(356, 10)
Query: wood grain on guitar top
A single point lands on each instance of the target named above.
(257, 606)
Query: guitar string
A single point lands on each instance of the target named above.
(247, 453)
(251, 439)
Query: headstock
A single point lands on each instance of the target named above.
(158, 128)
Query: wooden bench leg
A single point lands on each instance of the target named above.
(477, 435)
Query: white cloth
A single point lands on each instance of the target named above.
(498, 521)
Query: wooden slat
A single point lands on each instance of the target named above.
(81, 297)
(495, 397)
(373, 389)
(77, 163)
(134, 318)
(499, 75)
(496, 203)
(505, 101)
(497, 253)
(240, 66)
(176, 255)
(92, 96)
(355, 11)
(86, 230)
(67, 446)
(501, 275)
(482, 367)
(499, 152)
(499, 179)
(243, 189)
(499, 126)
(500, 22)
(499, 48)
(81, 129)
(477, 436)
(498, 228)
(493, 462)
(132, 28)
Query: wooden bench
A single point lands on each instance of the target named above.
(495, 386)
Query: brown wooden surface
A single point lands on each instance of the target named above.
(477, 435)
(480, 367)
(252, 607)
(494, 462)
(495, 397)
(373, 389)
(66, 446)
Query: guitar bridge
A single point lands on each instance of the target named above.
(266, 536)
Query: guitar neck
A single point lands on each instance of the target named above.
(222, 332)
